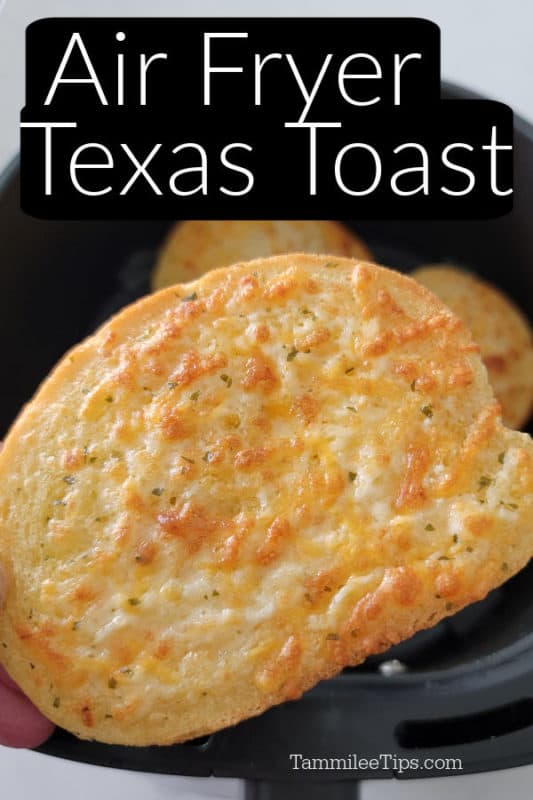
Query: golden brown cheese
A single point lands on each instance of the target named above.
(197, 522)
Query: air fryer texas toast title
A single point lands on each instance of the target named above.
(241, 118)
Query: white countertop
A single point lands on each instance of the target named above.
(486, 45)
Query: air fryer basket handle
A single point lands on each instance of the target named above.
(301, 790)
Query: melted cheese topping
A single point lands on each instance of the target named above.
(215, 484)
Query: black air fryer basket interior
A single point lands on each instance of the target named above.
(468, 689)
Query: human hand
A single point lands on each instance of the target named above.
(21, 724)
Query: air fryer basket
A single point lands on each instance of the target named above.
(468, 689)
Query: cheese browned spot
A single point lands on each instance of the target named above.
(251, 457)
(196, 525)
(191, 523)
(270, 549)
(314, 338)
(262, 333)
(412, 492)
(259, 373)
(305, 407)
(192, 366)
(281, 667)
(173, 424)
(87, 716)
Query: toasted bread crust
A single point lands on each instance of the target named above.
(196, 525)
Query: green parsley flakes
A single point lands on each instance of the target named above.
(291, 355)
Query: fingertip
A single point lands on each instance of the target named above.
(21, 724)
